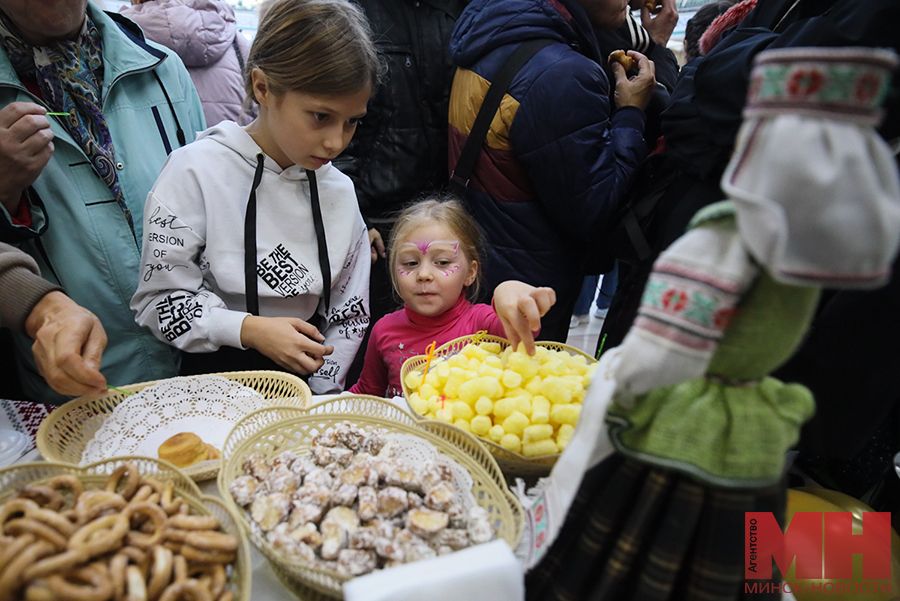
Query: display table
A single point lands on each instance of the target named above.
(487, 572)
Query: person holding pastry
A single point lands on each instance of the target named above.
(68, 339)
(542, 162)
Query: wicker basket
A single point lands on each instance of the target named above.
(64, 434)
(277, 429)
(94, 476)
(511, 463)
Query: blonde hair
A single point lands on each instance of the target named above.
(316, 47)
(450, 213)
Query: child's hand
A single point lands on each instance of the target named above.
(290, 342)
(520, 307)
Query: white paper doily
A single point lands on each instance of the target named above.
(208, 406)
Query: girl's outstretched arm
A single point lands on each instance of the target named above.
(520, 307)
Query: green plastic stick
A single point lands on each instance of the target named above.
(125, 392)
(600, 348)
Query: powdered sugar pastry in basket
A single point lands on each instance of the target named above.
(359, 501)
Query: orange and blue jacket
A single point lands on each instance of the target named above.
(557, 157)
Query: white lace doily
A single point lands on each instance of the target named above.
(208, 406)
(416, 451)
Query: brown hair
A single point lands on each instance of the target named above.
(450, 213)
(316, 47)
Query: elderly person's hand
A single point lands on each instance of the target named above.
(26, 145)
(637, 90)
(68, 344)
(661, 22)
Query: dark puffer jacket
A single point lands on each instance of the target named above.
(557, 157)
(399, 150)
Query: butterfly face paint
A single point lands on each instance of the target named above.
(431, 270)
(442, 251)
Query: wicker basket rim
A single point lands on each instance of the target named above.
(506, 341)
(309, 409)
(495, 472)
(202, 471)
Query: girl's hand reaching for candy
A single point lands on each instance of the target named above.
(520, 307)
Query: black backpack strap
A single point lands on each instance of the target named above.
(465, 165)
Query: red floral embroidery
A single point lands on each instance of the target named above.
(676, 300)
(867, 87)
(723, 317)
(805, 82)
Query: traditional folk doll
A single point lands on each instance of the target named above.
(699, 431)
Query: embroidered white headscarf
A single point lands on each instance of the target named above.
(815, 187)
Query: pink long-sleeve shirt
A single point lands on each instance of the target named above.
(403, 334)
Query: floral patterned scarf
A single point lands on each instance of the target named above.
(70, 76)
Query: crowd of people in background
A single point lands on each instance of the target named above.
(399, 154)
(176, 200)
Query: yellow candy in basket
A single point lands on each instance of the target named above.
(526, 404)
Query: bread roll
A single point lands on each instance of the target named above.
(184, 449)
(214, 453)
(619, 56)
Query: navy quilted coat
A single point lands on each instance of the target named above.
(557, 157)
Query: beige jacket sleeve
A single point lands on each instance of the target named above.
(21, 287)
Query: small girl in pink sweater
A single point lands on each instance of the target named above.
(435, 256)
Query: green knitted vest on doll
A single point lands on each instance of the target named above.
(733, 425)
(813, 201)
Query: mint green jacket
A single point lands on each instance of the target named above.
(80, 236)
